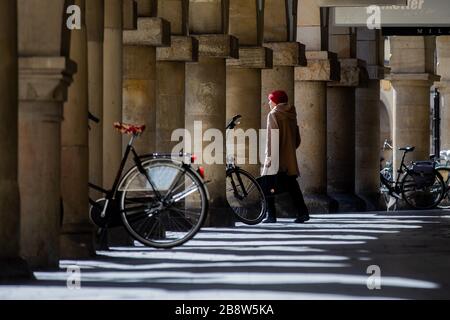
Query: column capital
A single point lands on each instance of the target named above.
(45, 78)
(287, 54)
(153, 32)
(183, 49)
(322, 66)
(218, 46)
(353, 73)
(253, 58)
(413, 79)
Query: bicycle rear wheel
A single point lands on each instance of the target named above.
(167, 223)
(445, 173)
(422, 197)
(245, 197)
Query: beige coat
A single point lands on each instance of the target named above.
(284, 118)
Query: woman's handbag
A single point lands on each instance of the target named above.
(273, 185)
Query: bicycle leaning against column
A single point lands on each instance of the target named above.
(244, 194)
(420, 184)
(162, 202)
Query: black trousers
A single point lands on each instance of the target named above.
(291, 186)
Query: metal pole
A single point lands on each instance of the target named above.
(437, 123)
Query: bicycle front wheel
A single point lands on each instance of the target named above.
(166, 206)
(445, 173)
(245, 197)
(422, 197)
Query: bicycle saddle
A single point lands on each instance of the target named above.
(408, 149)
(129, 128)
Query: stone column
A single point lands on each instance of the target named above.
(112, 89)
(76, 233)
(367, 120)
(95, 23)
(171, 73)
(311, 102)
(443, 69)
(139, 85)
(206, 96)
(411, 76)
(244, 81)
(11, 264)
(341, 121)
(341, 136)
(44, 76)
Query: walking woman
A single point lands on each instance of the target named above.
(281, 164)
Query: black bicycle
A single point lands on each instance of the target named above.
(161, 201)
(420, 185)
(244, 195)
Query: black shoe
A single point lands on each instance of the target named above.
(302, 219)
(270, 220)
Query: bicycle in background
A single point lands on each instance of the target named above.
(420, 184)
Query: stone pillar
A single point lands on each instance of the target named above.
(95, 22)
(139, 85)
(171, 73)
(244, 80)
(367, 120)
(112, 89)
(443, 69)
(76, 233)
(206, 95)
(341, 121)
(12, 266)
(311, 102)
(341, 136)
(412, 75)
(44, 76)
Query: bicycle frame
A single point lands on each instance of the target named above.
(138, 160)
(394, 188)
(231, 165)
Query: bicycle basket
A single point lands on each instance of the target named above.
(423, 173)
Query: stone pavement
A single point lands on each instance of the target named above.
(327, 258)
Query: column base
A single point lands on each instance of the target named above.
(349, 202)
(321, 203)
(372, 201)
(220, 217)
(118, 237)
(14, 269)
(77, 244)
(316, 203)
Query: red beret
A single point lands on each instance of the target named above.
(278, 97)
